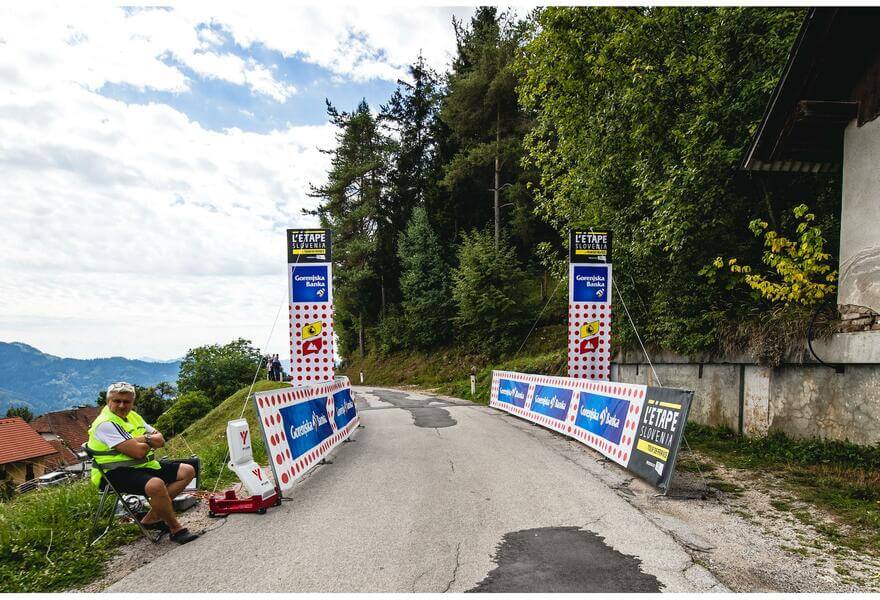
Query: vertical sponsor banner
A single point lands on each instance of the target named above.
(301, 425)
(589, 304)
(638, 427)
(659, 435)
(310, 287)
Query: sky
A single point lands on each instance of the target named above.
(152, 158)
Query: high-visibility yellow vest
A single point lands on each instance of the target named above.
(109, 458)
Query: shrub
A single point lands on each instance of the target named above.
(188, 409)
(391, 334)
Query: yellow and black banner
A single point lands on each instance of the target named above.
(589, 246)
(308, 246)
(659, 434)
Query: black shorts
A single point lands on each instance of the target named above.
(131, 480)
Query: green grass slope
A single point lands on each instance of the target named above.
(44, 538)
(206, 438)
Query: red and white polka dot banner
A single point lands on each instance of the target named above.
(638, 427)
(589, 322)
(287, 463)
(614, 442)
(312, 345)
(312, 348)
(589, 340)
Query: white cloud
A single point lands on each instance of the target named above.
(97, 44)
(131, 229)
(360, 42)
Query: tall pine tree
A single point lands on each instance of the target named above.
(350, 202)
(488, 126)
(410, 118)
(424, 283)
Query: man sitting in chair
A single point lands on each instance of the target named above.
(123, 444)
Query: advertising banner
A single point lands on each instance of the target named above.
(638, 427)
(310, 288)
(308, 246)
(301, 425)
(512, 392)
(589, 304)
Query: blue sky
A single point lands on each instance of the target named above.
(153, 158)
(218, 104)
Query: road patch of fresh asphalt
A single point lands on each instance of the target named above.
(423, 414)
(563, 559)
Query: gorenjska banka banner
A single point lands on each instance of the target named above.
(302, 425)
(639, 427)
(310, 286)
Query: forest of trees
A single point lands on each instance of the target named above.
(450, 204)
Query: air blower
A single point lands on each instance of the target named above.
(262, 492)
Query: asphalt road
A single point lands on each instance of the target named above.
(436, 495)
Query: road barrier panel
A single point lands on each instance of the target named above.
(636, 426)
(302, 425)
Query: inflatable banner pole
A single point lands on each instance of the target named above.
(589, 304)
(310, 286)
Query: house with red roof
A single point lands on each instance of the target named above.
(24, 454)
(67, 430)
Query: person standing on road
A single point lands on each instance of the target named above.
(123, 444)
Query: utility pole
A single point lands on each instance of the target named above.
(498, 206)
(497, 176)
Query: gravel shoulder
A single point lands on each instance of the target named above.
(141, 551)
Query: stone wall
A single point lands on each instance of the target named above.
(800, 398)
(857, 318)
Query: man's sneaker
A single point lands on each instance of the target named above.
(157, 526)
(183, 536)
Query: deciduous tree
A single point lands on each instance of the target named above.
(641, 118)
(218, 371)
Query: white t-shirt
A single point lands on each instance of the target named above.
(112, 434)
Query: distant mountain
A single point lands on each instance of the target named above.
(45, 383)
(150, 359)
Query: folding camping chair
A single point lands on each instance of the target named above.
(106, 490)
